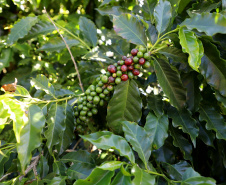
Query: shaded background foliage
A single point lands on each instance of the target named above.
(184, 143)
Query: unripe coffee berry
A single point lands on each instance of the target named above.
(130, 75)
(124, 77)
(93, 93)
(130, 68)
(115, 64)
(100, 83)
(118, 68)
(101, 102)
(134, 52)
(114, 75)
(142, 49)
(147, 55)
(87, 91)
(94, 110)
(136, 72)
(137, 66)
(108, 73)
(99, 90)
(147, 65)
(111, 79)
(92, 87)
(118, 80)
(128, 61)
(121, 62)
(104, 78)
(96, 99)
(89, 98)
(119, 73)
(110, 88)
(124, 68)
(106, 91)
(102, 95)
(141, 61)
(111, 68)
(89, 113)
(135, 59)
(139, 54)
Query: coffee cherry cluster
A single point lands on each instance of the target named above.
(101, 90)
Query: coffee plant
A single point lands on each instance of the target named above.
(112, 92)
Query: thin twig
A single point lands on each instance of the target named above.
(4, 176)
(73, 149)
(68, 48)
(32, 166)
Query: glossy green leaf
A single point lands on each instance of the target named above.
(207, 136)
(5, 57)
(67, 135)
(190, 45)
(30, 136)
(170, 82)
(97, 177)
(21, 28)
(56, 125)
(142, 177)
(157, 128)
(43, 166)
(192, 83)
(120, 179)
(57, 44)
(162, 14)
(139, 139)
(89, 30)
(184, 120)
(125, 105)
(210, 23)
(155, 103)
(41, 28)
(213, 67)
(111, 165)
(83, 164)
(182, 5)
(181, 142)
(107, 140)
(58, 181)
(128, 27)
(214, 120)
(220, 98)
(42, 83)
(22, 91)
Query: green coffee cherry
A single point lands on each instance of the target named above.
(83, 118)
(119, 73)
(118, 80)
(147, 56)
(98, 79)
(142, 49)
(130, 75)
(94, 110)
(115, 64)
(106, 91)
(89, 105)
(92, 87)
(87, 92)
(80, 107)
(89, 113)
(118, 68)
(108, 73)
(89, 98)
(110, 87)
(79, 127)
(114, 75)
(104, 79)
(139, 54)
(83, 113)
(85, 108)
(137, 66)
(93, 93)
(78, 120)
(101, 102)
(135, 59)
(76, 113)
(96, 99)
(100, 83)
(107, 98)
(102, 95)
(84, 103)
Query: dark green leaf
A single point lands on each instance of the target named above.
(107, 140)
(58, 181)
(43, 166)
(21, 28)
(191, 45)
(214, 120)
(5, 57)
(42, 83)
(125, 105)
(213, 67)
(200, 7)
(120, 179)
(128, 27)
(142, 177)
(30, 136)
(155, 103)
(210, 23)
(139, 139)
(170, 82)
(162, 14)
(56, 125)
(4, 157)
(182, 5)
(207, 136)
(184, 120)
(220, 98)
(97, 177)
(152, 33)
(89, 30)
(157, 128)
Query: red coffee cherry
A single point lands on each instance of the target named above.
(136, 72)
(124, 68)
(134, 52)
(128, 61)
(111, 79)
(124, 77)
(124, 57)
(112, 69)
(130, 68)
(141, 61)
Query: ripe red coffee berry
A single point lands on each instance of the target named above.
(124, 77)
(124, 68)
(136, 72)
(112, 69)
(111, 79)
(141, 61)
(128, 61)
(124, 57)
(130, 68)
(134, 52)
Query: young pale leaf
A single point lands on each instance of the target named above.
(181, 142)
(21, 28)
(213, 67)
(111, 165)
(128, 27)
(97, 177)
(68, 134)
(120, 179)
(42, 83)
(190, 45)
(57, 44)
(157, 128)
(142, 177)
(30, 136)
(210, 23)
(170, 82)
(41, 28)
(89, 30)
(22, 91)
(5, 57)
(107, 140)
(184, 120)
(56, 125)
(162, 14)
(4, 115)
(139, 139)
(214, 120)
(125, 105)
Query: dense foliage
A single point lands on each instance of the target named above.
(153, 108)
